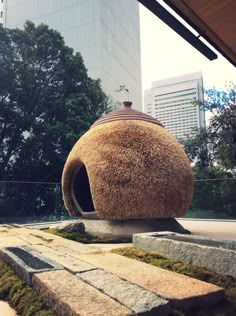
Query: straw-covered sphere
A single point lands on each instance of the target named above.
(127, 166)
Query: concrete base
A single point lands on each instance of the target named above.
(127, 228)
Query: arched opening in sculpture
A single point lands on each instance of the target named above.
(81, 192)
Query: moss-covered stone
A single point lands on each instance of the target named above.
(226, 308)
(21, 297)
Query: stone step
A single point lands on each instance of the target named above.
(70, 296)
(106, 283)
(71, 247)
(182, 291)
(70, 263)
(214, 254)
(140, 301)
(10, 241)
(25, 262)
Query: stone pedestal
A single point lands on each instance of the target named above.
(126, 228)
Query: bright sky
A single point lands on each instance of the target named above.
(165, 54)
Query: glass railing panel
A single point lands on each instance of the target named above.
(31, 201)
(40, 201)
(214, 199)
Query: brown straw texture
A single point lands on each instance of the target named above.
(136, 169)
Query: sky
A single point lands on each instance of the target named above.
(165, 54)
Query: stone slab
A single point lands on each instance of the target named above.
(70, 296)
(181, 290)
(71, 247)
(26, 231)
(6, 310)
(109, 247)
(15, 225)
(40, 248)
(19, 230)
(70, 263)
(32, 240)
(141, 301)
(218, 256)
(4, 230)
(5, 226)
(10, 241)
(44, 235)
(21, 266)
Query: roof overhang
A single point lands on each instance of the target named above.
(213, 20)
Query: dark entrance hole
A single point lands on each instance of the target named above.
(82, 191)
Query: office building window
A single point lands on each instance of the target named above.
(173, 103)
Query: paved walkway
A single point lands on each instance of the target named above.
(93, 281)
(211, 228)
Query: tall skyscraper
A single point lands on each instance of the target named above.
(105, 32)
(173, 102)
(1, 11)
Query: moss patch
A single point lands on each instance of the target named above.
(226, 308)
(20, 297)
(85, 238)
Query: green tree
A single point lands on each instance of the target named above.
(222, 128)
(213, 153)
(223, 136)
(217, 143)
(47, 101)
(198, 148)
(216, 100)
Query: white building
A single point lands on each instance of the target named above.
(105, 32)
(173, 102)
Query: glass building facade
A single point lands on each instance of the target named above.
(1, 11)
(173, 102)
(105, 32)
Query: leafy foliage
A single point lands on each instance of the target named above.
(223, 135)
(122, 89)
(47, 101)
(197, 147)
(217, 99)
(213, 154)
(217, 143)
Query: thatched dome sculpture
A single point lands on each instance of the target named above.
(127, 166)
